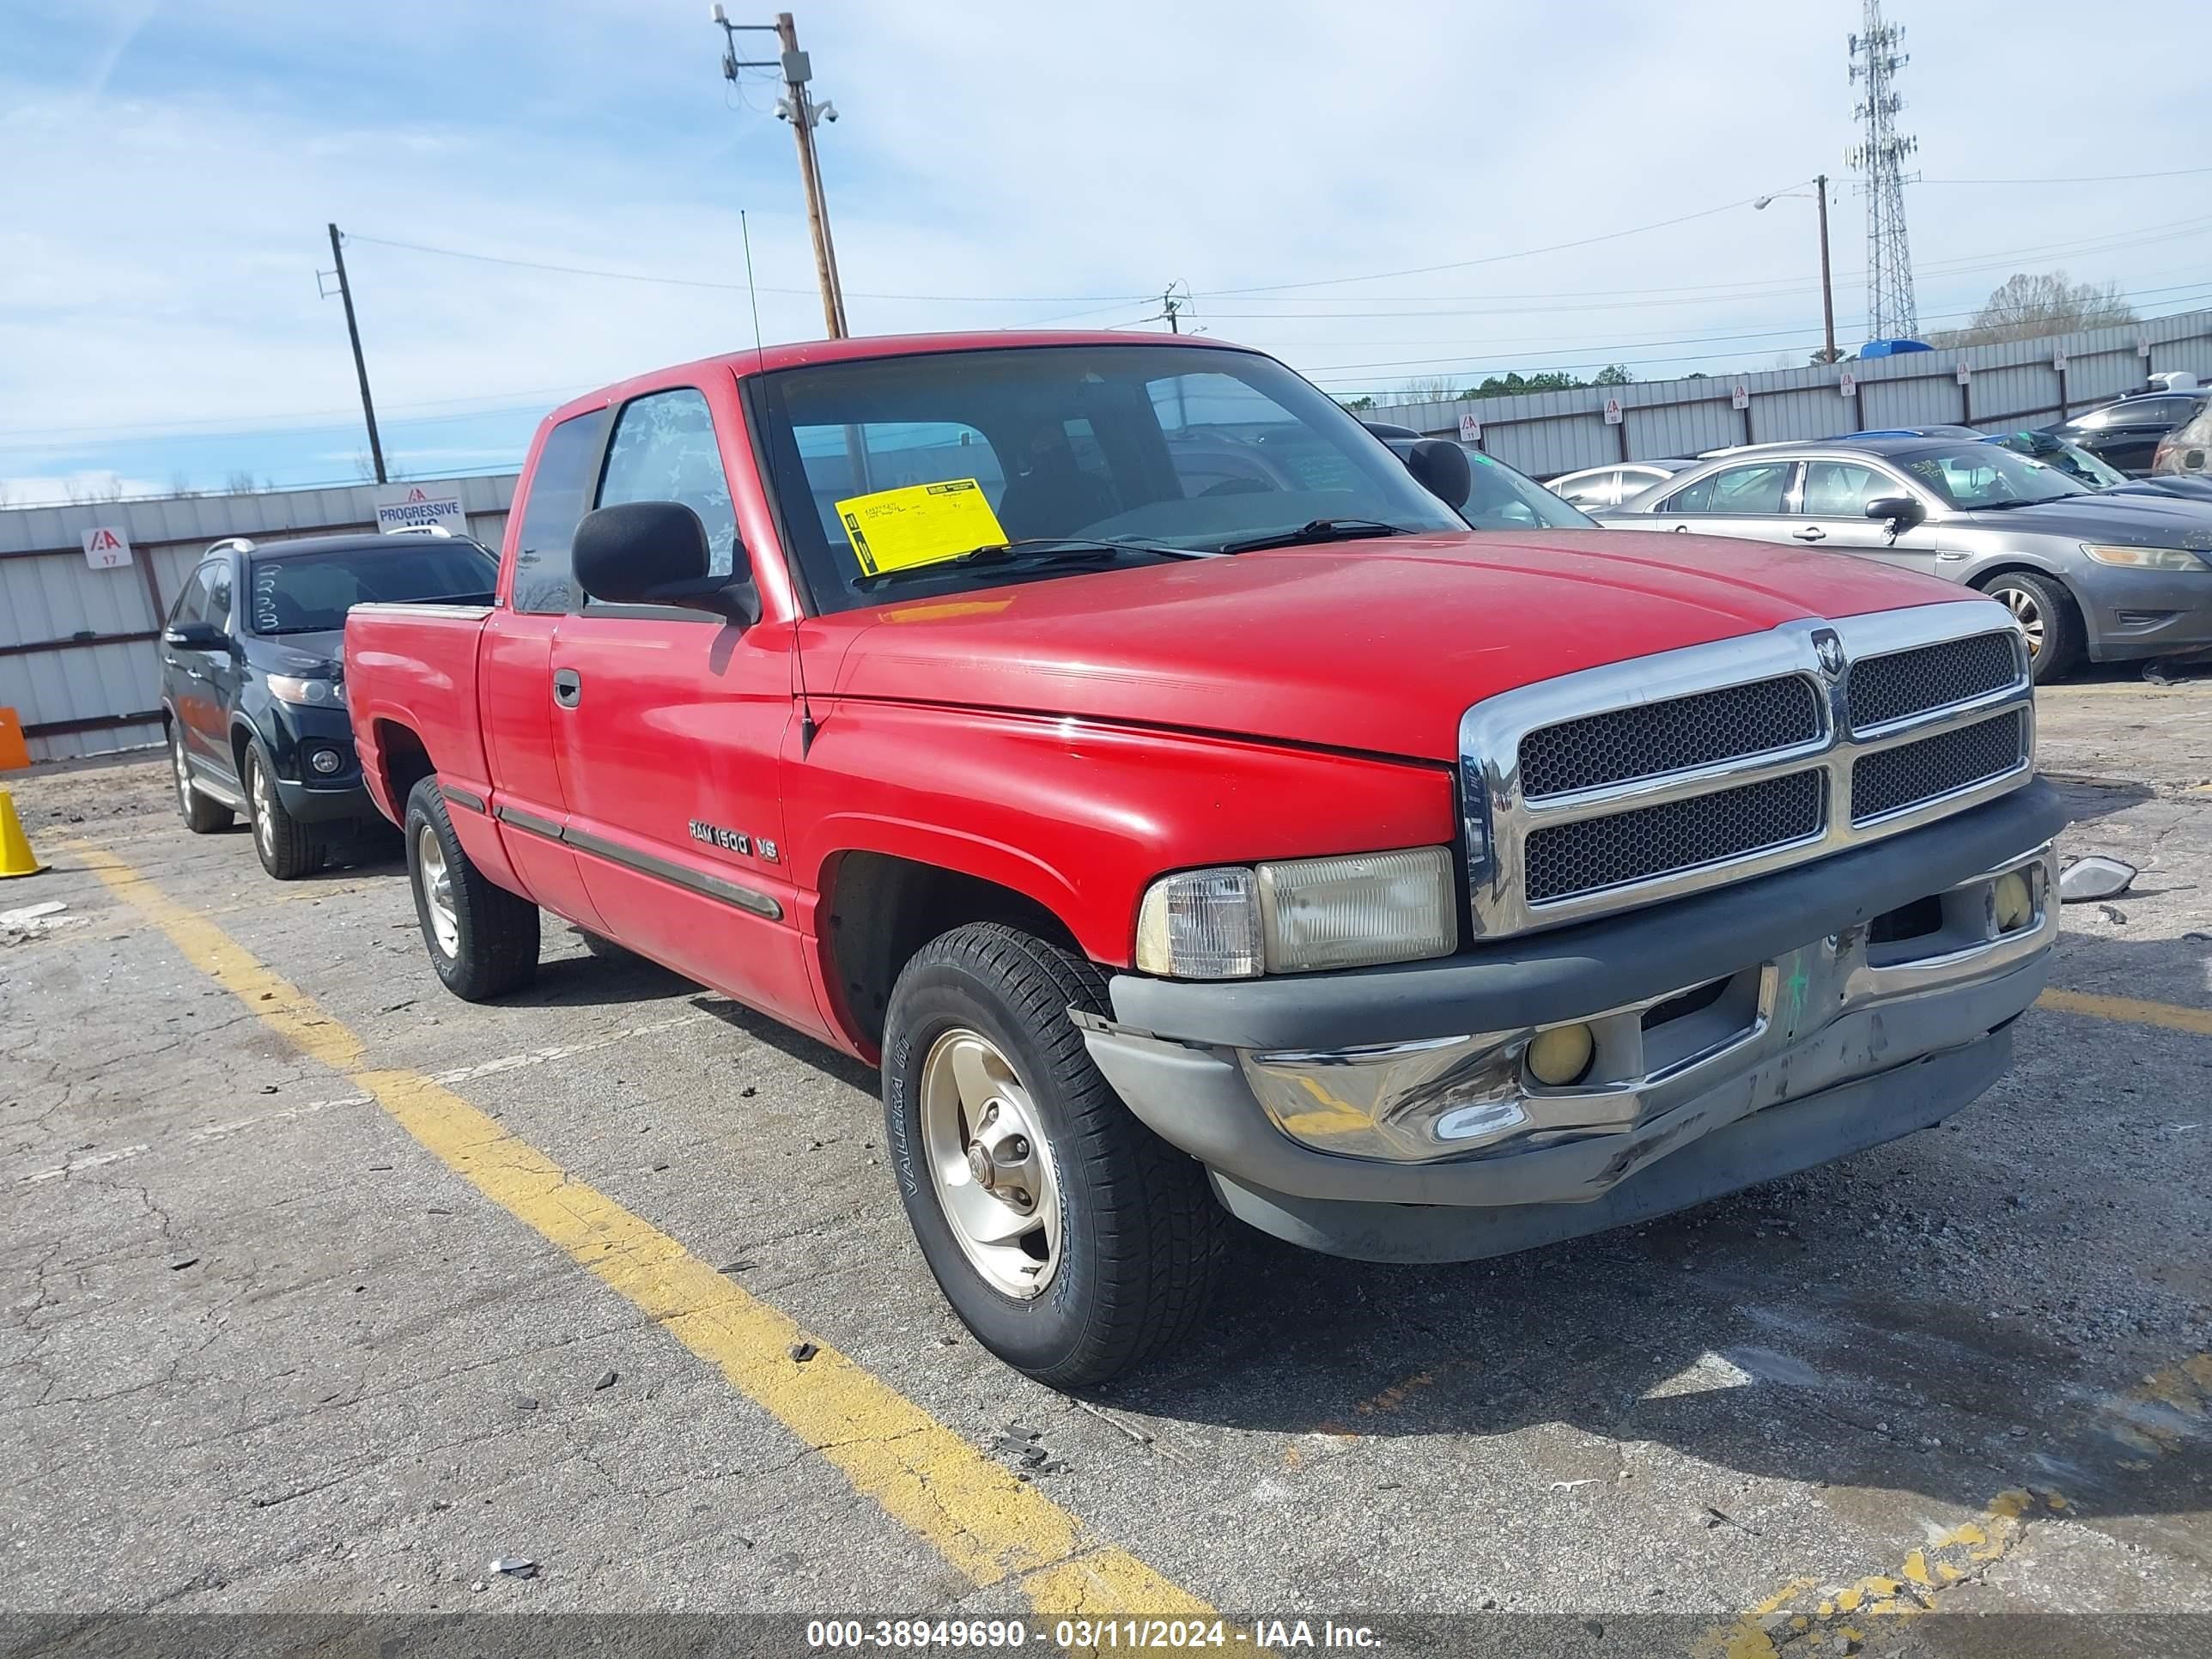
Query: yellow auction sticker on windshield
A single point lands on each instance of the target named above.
(921, 524)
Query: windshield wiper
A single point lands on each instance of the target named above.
(1031, 552)
(2006, 507)
(1317, 529)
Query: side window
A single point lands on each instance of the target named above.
(1596, 490)
(664, 450)
(1691, 498)
(192, 600)
(1837, 489)
(218, 609)
(559, 489)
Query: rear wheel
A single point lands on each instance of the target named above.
(288, 849)
(2047, 616)
(1067, 1236)
(482, 939)
(202, 816)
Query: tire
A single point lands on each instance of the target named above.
(482, 939)
(287, 847)
(1139, 1238)
(2045, 608)
(202, 816)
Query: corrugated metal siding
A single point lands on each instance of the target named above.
(1547, 432)
(47, 593)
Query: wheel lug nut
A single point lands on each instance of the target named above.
(1017, 1148)
(1020, 1199)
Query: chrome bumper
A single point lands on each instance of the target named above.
(1461, 1119)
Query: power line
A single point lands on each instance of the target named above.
(735, 288)
(2078, 177)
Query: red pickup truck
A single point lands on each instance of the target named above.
(1200, 810)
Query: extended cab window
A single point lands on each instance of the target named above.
(664, 450)
(1121, 447)
(560, 488)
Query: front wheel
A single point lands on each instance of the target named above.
(287, 847)
(1067, 1236)
(2045, 613)
(482, 939)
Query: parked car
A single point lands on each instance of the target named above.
(253, 694)
(2184, 454)
(2115, 577)
(2125, 433)
(1594, 486)
(1294, 853)
(2085, 469)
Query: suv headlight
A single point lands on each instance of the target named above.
(1234, 921)
(2148, 558)
(313, 693)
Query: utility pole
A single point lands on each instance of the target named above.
(799, 108)
(1169, 306)
(1827, 285)
(360, 364)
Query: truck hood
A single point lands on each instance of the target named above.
(1378, 646)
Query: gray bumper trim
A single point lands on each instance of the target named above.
(1544, 978)
(1764, 1147)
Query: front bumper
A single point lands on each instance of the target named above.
(1845, 1032)
(291, 734)
(2135, 614)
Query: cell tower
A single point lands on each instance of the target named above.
(1891, 313)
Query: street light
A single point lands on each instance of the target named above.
(1820, 194)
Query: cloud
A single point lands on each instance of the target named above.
(157, 275)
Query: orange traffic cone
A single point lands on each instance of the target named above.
(16, 858)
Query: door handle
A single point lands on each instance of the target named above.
(568, 687)
(1681, 529)
(1811, 532)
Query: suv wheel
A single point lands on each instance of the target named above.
(1067, 1236)
(287, 848)
(202, 816)
(2045, 610)
(482, 939)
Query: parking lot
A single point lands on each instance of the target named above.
(325, 1289)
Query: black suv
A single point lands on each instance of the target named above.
(253, 686)
(2126, 434)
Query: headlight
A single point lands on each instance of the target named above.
(287, 688)
(1300, 914)
(2148, 558)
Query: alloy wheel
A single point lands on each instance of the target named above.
(436, 878)
(991, 1167)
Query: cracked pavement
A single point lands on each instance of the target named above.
(262, 1351)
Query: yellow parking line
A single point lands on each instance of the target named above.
(2132, 1011)
(972, 1510)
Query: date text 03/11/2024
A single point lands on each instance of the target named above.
(1086, 1635)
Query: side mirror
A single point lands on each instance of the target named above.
(196, 636)
(656, 553)
(1901, 512)
(1440, 466)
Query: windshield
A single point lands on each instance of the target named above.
(1503, 499)
(900, 464)
(1974, 475)
(2075, 462)
(309, 592)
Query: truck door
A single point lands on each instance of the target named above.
(514, 671)
(668, 724)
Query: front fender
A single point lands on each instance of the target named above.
(1080, 816)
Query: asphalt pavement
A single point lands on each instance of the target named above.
(325, 1291)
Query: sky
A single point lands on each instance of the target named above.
(1378, 195)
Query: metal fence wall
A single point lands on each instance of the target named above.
(79, 648)
(2015, 384)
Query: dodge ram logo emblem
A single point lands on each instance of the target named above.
(1829, 650)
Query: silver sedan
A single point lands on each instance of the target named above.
(2113, 577)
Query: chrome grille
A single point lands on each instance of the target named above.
(1912, 772)
(1903, 682)
(1645, 780)
(1591, 853)
(1676, 735)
